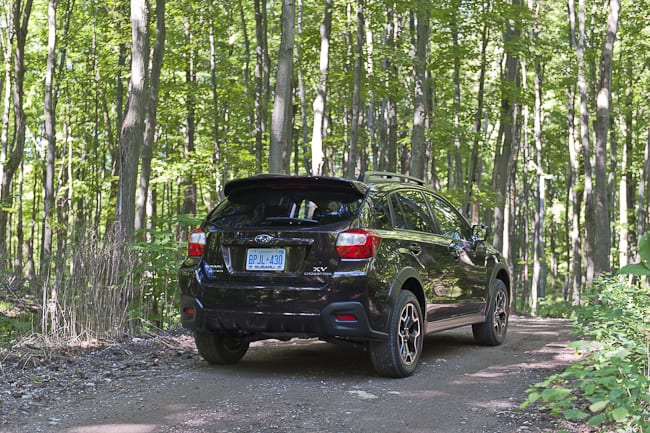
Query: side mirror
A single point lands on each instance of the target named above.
(479, 233)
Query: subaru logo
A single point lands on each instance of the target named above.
(263, 239)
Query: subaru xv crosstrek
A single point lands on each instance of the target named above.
(376, 263)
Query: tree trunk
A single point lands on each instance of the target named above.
(575, 259)
(50, 135)
(132, 129)
(152, 110)
(643, 194)
(420, 95)
(473, 178)
(602, 228)
(353, 164)
(218, 189)
(188, 185)
(281, 118)
(14, 156)
(262, 67)
(626, 175)
(457, 176)
(388, 130)
(317, 154)
(506, 159)
(538, 287)
(589, 245)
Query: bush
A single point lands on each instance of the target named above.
(610, 386)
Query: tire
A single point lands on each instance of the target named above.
(220, 349)
(492, 332)
(398, 356)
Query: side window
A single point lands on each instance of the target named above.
(411, 211)
(449, 221)
(382, 211)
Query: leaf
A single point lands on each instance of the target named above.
(644, 247)
(532, 398)
(634, 269)
(573, 414)
(596, 420)
(620, 414)
(554, 394)
(598, 406)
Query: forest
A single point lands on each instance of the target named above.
(121, 122)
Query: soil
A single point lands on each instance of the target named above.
(159, 383)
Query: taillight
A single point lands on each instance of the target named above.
(196, 244)
(357, 244)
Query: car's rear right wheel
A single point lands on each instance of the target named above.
(220, 349)
(398, 356)
(492, 332)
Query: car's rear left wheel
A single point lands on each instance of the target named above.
(217, 348)
(398, 356)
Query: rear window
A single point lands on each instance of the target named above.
(272, 207)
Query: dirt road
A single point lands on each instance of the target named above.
(316, 387)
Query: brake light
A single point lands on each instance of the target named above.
(357, 244)
(196, 244)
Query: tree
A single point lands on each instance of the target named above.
(132, 128)
(353, 165)
(602, 229)
(317, 154)
(11, 158)
(420, 91)
(282, 106)
(50, 133)
(152, 111)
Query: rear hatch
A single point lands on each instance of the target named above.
(279, 230)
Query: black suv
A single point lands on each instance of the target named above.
(376, 262)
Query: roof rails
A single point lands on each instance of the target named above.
(385, 176)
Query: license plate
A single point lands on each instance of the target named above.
(265, 259)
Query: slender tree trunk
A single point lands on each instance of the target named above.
(152, 111)
(473, 178)
(247, 62)
(539, 267)
(643, 194)
(602, 238)
(132, 129)
(388, 130)
(575, 265)
(262, 67)
(50, 135)
(506, 160)
(538, 287)
(626, 175)
(303, 103)
(14, 156)
(317, 154)
(420, 95)
(457, 177)
(188, 185)
(353, 165)
(218, 189)
(281, 118)
(589, 245)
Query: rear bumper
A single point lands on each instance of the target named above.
(336, 320)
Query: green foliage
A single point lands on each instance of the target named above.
(13, 325)
(155, 271)
(642, 268)
(550, 306)
(609, 387)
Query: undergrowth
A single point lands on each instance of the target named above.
(609, 388)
